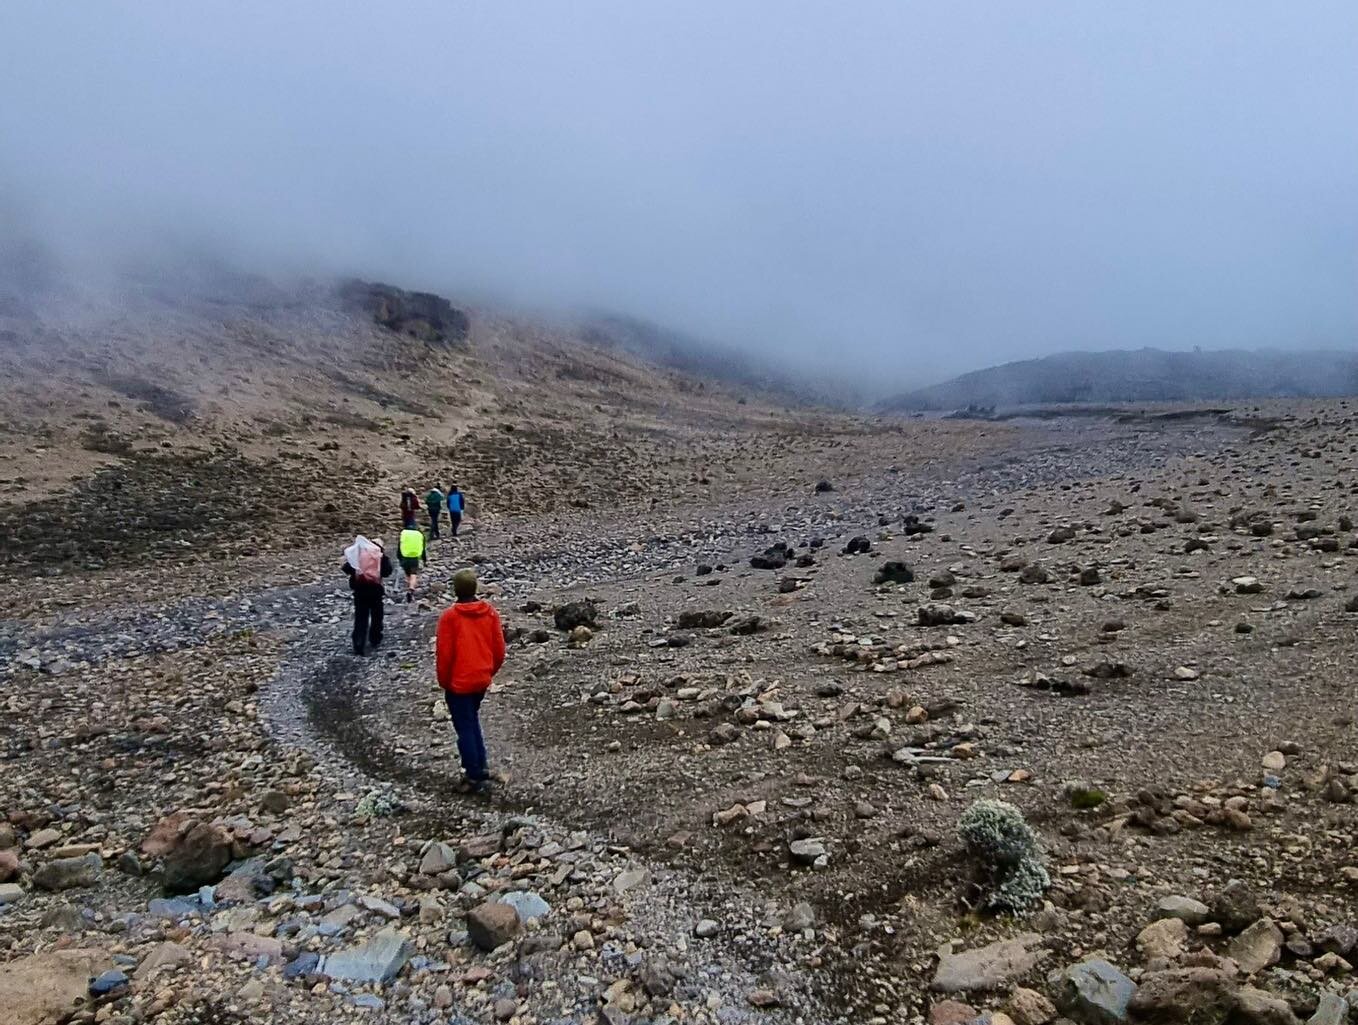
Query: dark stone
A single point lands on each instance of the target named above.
(913, 525)
(109, 982)
(702, 619)
(420, 315)
(576, 613)
(750, 625)
(894, 573)
(197, 859)
(1236, 907)
(304, 965)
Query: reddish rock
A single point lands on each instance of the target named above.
(951, 1012)
(164, 835)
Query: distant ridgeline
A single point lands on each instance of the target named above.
(421, 315)
(1142, 375)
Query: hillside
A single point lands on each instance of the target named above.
(243, 402)
(1143, 375)
(208, 416)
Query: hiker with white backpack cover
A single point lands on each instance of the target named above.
(366, 564)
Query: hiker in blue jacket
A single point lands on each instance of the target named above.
(454, 500)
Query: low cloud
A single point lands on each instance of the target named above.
(890, 191)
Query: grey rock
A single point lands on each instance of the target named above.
(800, 917)
(629, 879)
(377, 959)
(303, 965)
(526, 904)
(1331, 1010)
(1093, 992)
(438, 858)
(1187, 910)
(108, 982)
(69, 873)
(991, 967)
(1257, 1007)
(1257, 947)
(808, 852)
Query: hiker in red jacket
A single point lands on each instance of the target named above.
(410, 505)
(469, 650)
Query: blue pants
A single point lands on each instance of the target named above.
(465, 710)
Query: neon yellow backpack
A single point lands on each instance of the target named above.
(412, 543)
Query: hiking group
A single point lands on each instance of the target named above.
(469, 640)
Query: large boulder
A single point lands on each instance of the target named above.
(48, 988)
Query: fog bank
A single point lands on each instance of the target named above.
(895, 191)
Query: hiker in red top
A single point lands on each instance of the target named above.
(469, 650)
(410, 505)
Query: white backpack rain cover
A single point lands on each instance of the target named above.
(366, 558)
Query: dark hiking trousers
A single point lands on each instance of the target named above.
(433, 522)
(456, 519)
(367, 619)
(465, 710)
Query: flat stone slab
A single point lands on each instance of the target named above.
(990, 967)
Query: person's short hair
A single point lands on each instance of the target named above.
(465, 583)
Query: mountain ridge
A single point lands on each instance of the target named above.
(1141, 375)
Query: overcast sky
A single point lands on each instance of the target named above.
(897, 189)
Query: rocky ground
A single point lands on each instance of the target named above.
(742, 715)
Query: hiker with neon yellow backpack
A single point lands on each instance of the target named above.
(412, 553)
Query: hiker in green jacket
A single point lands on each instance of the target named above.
(434, 501)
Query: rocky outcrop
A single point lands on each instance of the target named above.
(420, 315)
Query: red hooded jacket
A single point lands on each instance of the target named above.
(469, 647)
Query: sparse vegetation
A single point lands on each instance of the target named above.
(1006, 851)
